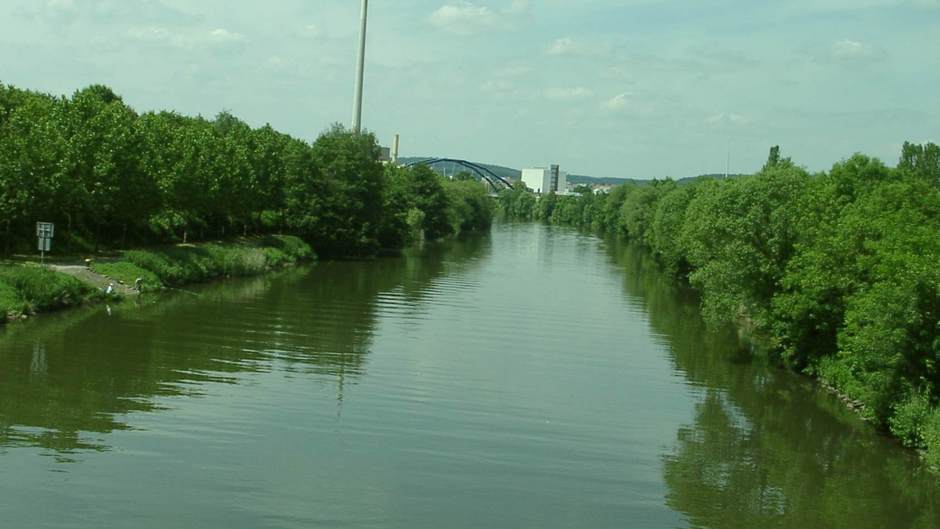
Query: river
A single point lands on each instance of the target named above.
(535, 377)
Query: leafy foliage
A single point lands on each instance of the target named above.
(110, 177)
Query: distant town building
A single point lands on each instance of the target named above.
(542, 180)
(385, 155)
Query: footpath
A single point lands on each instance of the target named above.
(87, 275)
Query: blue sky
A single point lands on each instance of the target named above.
(638, 88)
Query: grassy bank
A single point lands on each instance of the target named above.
(177, 265)
(29, 289)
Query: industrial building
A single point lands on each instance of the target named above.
(542, 180)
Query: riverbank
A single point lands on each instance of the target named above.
(836, 270)
(27, 288)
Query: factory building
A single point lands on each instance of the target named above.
(545, 181)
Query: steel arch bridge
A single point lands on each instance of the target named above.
(497, 182)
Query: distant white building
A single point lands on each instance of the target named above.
(542, 180)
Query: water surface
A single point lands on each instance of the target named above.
(535, 377)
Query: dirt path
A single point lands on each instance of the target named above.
(83, 273)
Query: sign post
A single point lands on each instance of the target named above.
(44, 232)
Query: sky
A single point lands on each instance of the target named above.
(616, 88)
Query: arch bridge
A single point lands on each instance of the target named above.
(494, 180)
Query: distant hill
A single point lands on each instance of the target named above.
(690, 179)
(514, 174)
(604, 181)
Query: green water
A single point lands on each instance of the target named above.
(532, 378)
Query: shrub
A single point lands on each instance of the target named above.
(931, 435)
(910, 420)
(293, 247)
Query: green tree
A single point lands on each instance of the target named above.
(33, 168)
(104, 147)
(921, 160)
(349, 204)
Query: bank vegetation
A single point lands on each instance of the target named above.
(110, 177)
(837, 270)
(115, 180)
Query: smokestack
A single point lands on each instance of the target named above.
(357, 102)
(395, 148)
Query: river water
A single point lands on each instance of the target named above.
(535, 377)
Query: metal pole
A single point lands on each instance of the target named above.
(357, 103)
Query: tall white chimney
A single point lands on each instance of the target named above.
(361, 67)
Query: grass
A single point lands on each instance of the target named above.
(26, 289)
(182, 264)
(10, 302)
(127, 273)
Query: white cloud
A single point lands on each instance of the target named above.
(848, 49)
(157, 35)
(135, 12)
(627, 102)
(568, 94)
(561, 46)
(521, 6)
(513, 71)
(853, 51)
(569, 46)
(61, 5)
(497, 85)
(312, 30)
(184, 39)
(618, 102)
(222, 35)
(729, 118)
(464, 18)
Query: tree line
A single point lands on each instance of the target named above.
(838, 271)
(110, 177)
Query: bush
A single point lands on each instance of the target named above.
(931, 433)
(910, 421)
(293, 247)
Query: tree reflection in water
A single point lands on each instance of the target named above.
(768, 448)
(67, 379)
